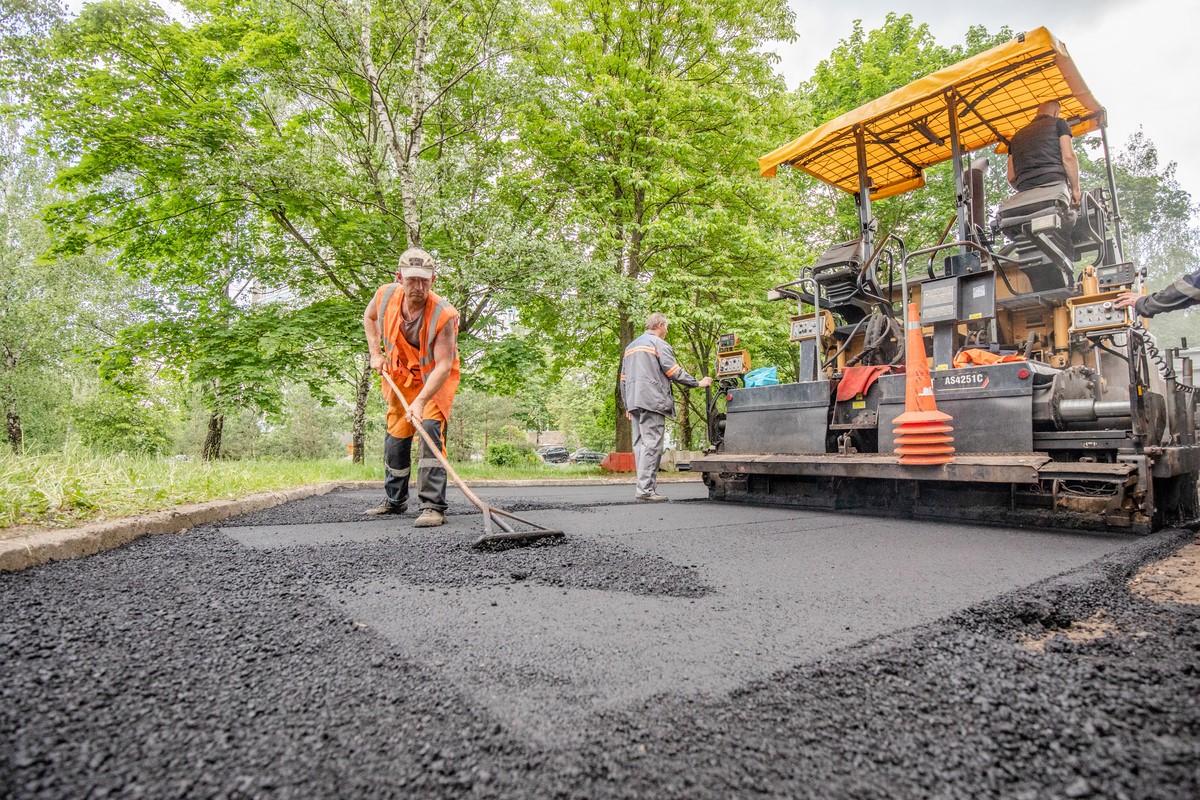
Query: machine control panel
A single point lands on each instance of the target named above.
(1115, 276)
(734, 363)
(961, 298)
(1098, 313)
(730, 360)
(808, 326)
(939, 301)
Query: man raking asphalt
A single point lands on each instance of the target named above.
(489, 513)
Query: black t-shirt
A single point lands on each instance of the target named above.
(1037, 155)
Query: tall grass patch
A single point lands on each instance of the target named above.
(74, 485)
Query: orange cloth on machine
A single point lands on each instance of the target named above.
(857, 380)
(975, 357)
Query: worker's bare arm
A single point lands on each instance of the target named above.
(371, 329)
(1071, 164)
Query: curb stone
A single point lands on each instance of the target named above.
(41, 546)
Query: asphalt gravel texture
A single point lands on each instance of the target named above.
(306, 652)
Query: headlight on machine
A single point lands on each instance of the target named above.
(1045, 222)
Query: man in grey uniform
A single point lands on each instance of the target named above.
(647, 370)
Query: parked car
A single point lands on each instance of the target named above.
(585, 456)
(553, 454)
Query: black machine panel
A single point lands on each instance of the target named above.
(1115, 276)
(963, 298)
(992, 407)
(789, 418)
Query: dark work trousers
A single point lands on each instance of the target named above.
(431, 475)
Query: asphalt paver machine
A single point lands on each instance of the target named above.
(1066, 412)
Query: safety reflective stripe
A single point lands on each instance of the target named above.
(429, 463)
(398, 473)
(642, 349)
(622, 376)
(438, 310)
(1186, 288)
(381, 311)
(671, 372)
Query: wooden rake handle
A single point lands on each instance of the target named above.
(437, 452)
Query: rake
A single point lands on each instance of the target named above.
(491, 516)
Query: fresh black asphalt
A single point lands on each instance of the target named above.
(688, 650)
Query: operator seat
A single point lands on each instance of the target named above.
(1038, 223)
(838, 272)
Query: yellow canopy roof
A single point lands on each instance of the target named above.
(997, 92)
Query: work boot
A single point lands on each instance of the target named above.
(430, 519)
(385, 508)
(652, 498)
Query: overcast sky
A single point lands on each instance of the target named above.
(1135, 55)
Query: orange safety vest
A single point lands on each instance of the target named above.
(406, 363)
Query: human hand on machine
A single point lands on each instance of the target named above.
(1126, 299)
(705, 382)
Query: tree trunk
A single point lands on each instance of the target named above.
(16, 434)
(404, 153)
(685, 418)
(358, 430)
(212, 440)
(624, 429)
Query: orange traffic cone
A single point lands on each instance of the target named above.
(921, 431)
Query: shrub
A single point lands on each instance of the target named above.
(114, 422)
(510, 454)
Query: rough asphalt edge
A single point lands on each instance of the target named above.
(42, 546)
(1053, 603)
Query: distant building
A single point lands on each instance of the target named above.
(539, 438)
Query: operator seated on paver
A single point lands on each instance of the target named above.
(647, 370)
(1040, 154)
(412, 333)
(1183, 293)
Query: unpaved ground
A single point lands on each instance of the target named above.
(1175, 579)
(292, 655)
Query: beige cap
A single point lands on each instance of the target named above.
(416, 263)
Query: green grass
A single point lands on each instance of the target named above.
(75, 486)
(481, 471)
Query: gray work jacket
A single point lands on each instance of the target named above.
(1182, 293)
(647, 370)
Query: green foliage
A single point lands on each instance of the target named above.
(307, 431)
(646, 126)
(510, 454)
(476, 421)
(112, 421)
(1157, 222)
(583, 408)
(50, 308)
(232, 186)
(507, 365)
